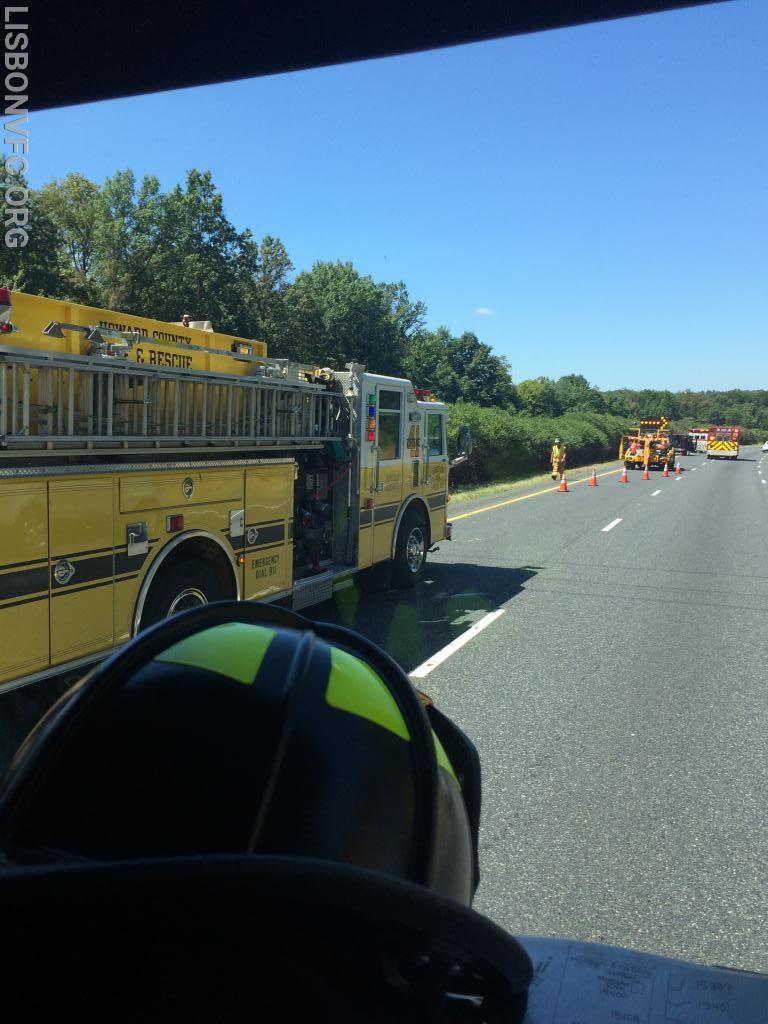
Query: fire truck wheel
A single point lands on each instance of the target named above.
(182, 586)
(410, 551)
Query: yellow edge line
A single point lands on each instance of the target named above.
(524, 497)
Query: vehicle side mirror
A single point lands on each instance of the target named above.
(464, 446)
(465, 441)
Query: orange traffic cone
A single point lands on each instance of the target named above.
(666, 469)
(593, 478)
(563, 484)
(646, 474)
(678, 469)
(624, 479)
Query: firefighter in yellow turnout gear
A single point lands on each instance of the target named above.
(558, 458)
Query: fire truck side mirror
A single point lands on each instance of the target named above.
(464, 446)
(465, 441)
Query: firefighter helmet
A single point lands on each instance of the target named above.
(244, 728)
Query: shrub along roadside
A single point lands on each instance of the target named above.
(507, 444)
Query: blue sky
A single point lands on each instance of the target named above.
(591, 200)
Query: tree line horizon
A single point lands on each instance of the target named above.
(126, 245)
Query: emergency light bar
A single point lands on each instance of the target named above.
(371, 435)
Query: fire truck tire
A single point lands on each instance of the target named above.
(410, 551)
(183, 585)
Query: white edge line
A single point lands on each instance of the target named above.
(437, 659)
(655, 493)
(610, 526)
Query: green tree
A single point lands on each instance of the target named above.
(74, 208)
(127, 242)
(195, 263)
(575, 394)
(263, 270)
(483, 377)
(33, 267)
(426, 364)
(337, 316)
(538, 397)
(460, 369)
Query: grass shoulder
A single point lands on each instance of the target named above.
(461, 495)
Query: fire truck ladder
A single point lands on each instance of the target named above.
(55, 402)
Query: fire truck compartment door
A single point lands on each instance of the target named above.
(81, 515)
(24, 589)
(267, 539)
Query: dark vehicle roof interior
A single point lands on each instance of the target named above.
(96, 51)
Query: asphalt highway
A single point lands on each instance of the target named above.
(618, 699)
(606, 650)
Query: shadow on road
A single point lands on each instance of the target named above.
(413, 625)
(410, 625)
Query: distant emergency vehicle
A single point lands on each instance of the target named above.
(683, 444)
(699, 436)
(723, 442)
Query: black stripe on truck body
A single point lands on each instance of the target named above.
(24, 583)
(385, 512)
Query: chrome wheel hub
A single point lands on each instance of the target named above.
(414, 549)
(189, 598)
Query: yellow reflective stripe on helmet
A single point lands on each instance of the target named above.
(442, 759)
(234, 649)
(354, 687)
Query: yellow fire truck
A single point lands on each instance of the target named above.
(651, 440)
(147, 467)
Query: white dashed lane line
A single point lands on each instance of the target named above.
(655, 493)
(610, 526)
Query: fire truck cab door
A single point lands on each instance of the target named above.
(390, 456)
(435, 482)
